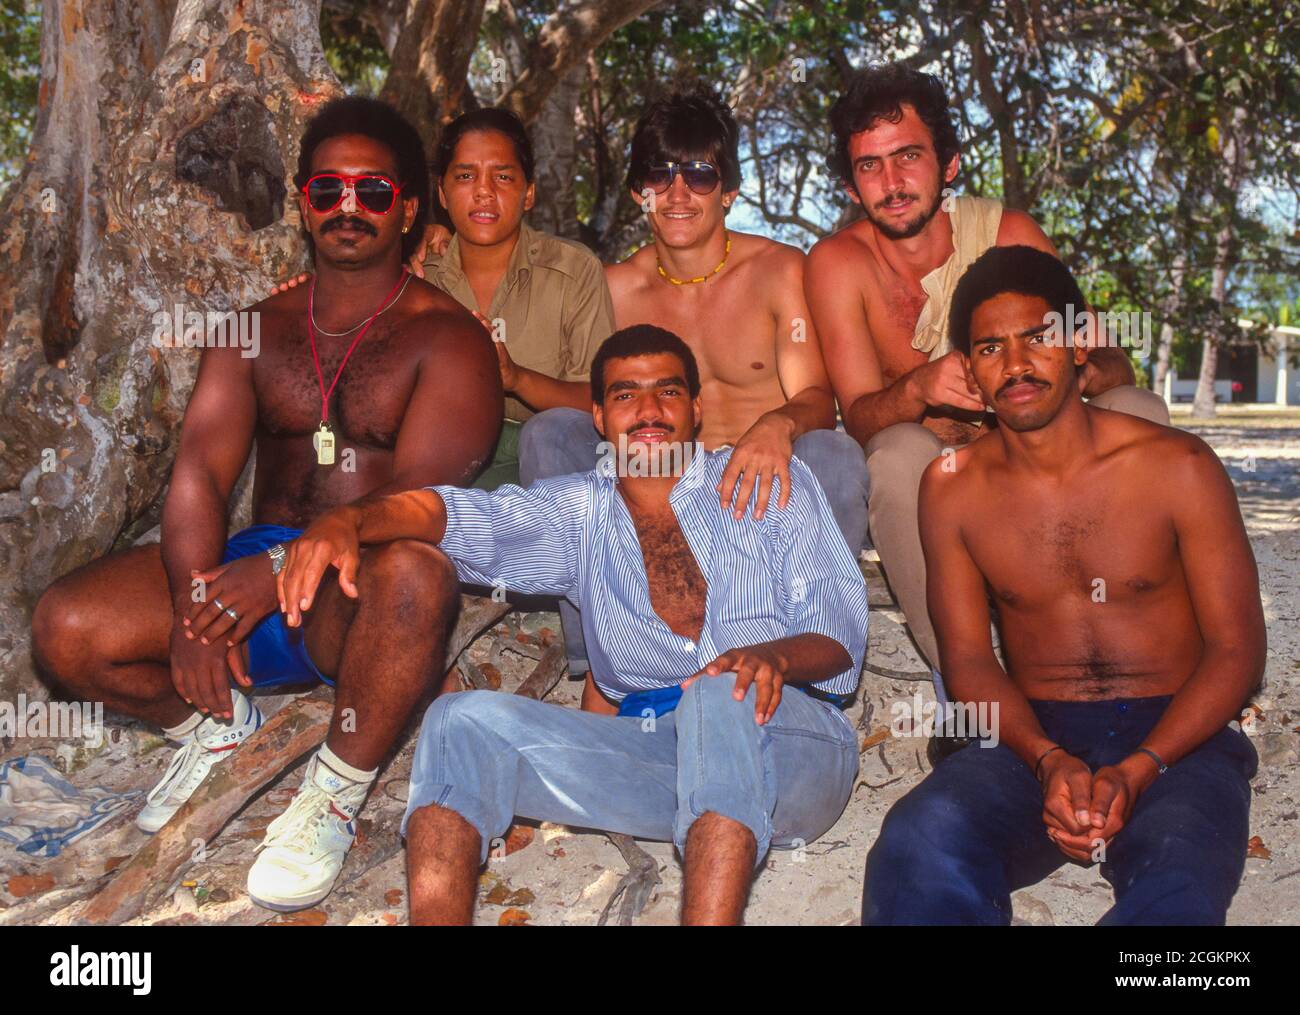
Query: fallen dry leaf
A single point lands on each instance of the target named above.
(878, 737)
(390, 919)
(393, 897)
(519, 837)
(1255, 848)
(303, 918)
(114, 862)
(513, 918)
(22, 885)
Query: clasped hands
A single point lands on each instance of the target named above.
(1084, 810)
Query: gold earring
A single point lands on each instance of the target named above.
(405, 230)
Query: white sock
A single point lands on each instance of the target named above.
(340, 767)
(184, 729)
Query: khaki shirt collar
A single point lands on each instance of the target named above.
(527, 249)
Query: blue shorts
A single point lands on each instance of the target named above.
(276, 652)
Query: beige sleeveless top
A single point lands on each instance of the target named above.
(975, 223)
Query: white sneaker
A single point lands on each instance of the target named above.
(210, 744)
(305, 847)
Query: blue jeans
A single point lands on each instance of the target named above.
(490, 757)
(558, 442)
(954, 849)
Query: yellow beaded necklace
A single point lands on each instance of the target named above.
(702, 278)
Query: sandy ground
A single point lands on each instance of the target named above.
(555, 875)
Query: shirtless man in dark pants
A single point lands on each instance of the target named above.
(880, 290)
(160, 631)
(1114, 552)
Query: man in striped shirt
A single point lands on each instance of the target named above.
(730, 644)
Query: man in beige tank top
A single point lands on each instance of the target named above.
(879, 292)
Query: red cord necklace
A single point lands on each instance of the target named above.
(323, 439)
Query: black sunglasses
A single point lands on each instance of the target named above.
(700, 177)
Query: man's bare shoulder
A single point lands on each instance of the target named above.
(1167, 457)
(431, 313)
(632, 270)
(1016, 228)
(779, 266)
(292, 302)
(949, 480)
(770, 255)
(844, 253)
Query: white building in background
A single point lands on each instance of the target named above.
(1274, 380)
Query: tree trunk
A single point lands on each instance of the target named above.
(426, 79)
(1014, 190)
(555, 142)
(563, 42)
(1231, 172)
(158, 176)
(1171, 309)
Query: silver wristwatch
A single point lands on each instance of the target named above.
(276, 553)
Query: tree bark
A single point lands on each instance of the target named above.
(1172, 308)
(159, 175)
(426, 80)
(1232, 166)
(555, 143)
(562, 43)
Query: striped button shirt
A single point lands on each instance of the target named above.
(572, 536)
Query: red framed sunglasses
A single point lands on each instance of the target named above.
(374, 192)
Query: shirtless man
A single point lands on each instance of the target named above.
(729, 645)
(543, 298)
(738, 301)
(879, 292)
(159, 632)
(1114, 554)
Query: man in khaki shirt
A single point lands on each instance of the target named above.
(543, 299)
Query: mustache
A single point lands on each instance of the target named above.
(642, 424)
(897, 197)
(1022, 380)
(352, 221)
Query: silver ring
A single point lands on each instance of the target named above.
(217, 602)
(232, 614)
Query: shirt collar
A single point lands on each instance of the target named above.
(527, 249)
(692, 479)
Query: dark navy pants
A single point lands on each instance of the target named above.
(954, 849)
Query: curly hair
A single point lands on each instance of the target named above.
(642, 340)
(1015, 269)
(879, 93)
(356, 114)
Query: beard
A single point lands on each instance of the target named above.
(906, 231)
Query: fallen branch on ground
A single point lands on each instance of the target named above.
(289, 734)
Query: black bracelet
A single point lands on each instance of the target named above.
(1039, 765)
(1161, 767)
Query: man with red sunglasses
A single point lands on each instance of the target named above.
(368, 382)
